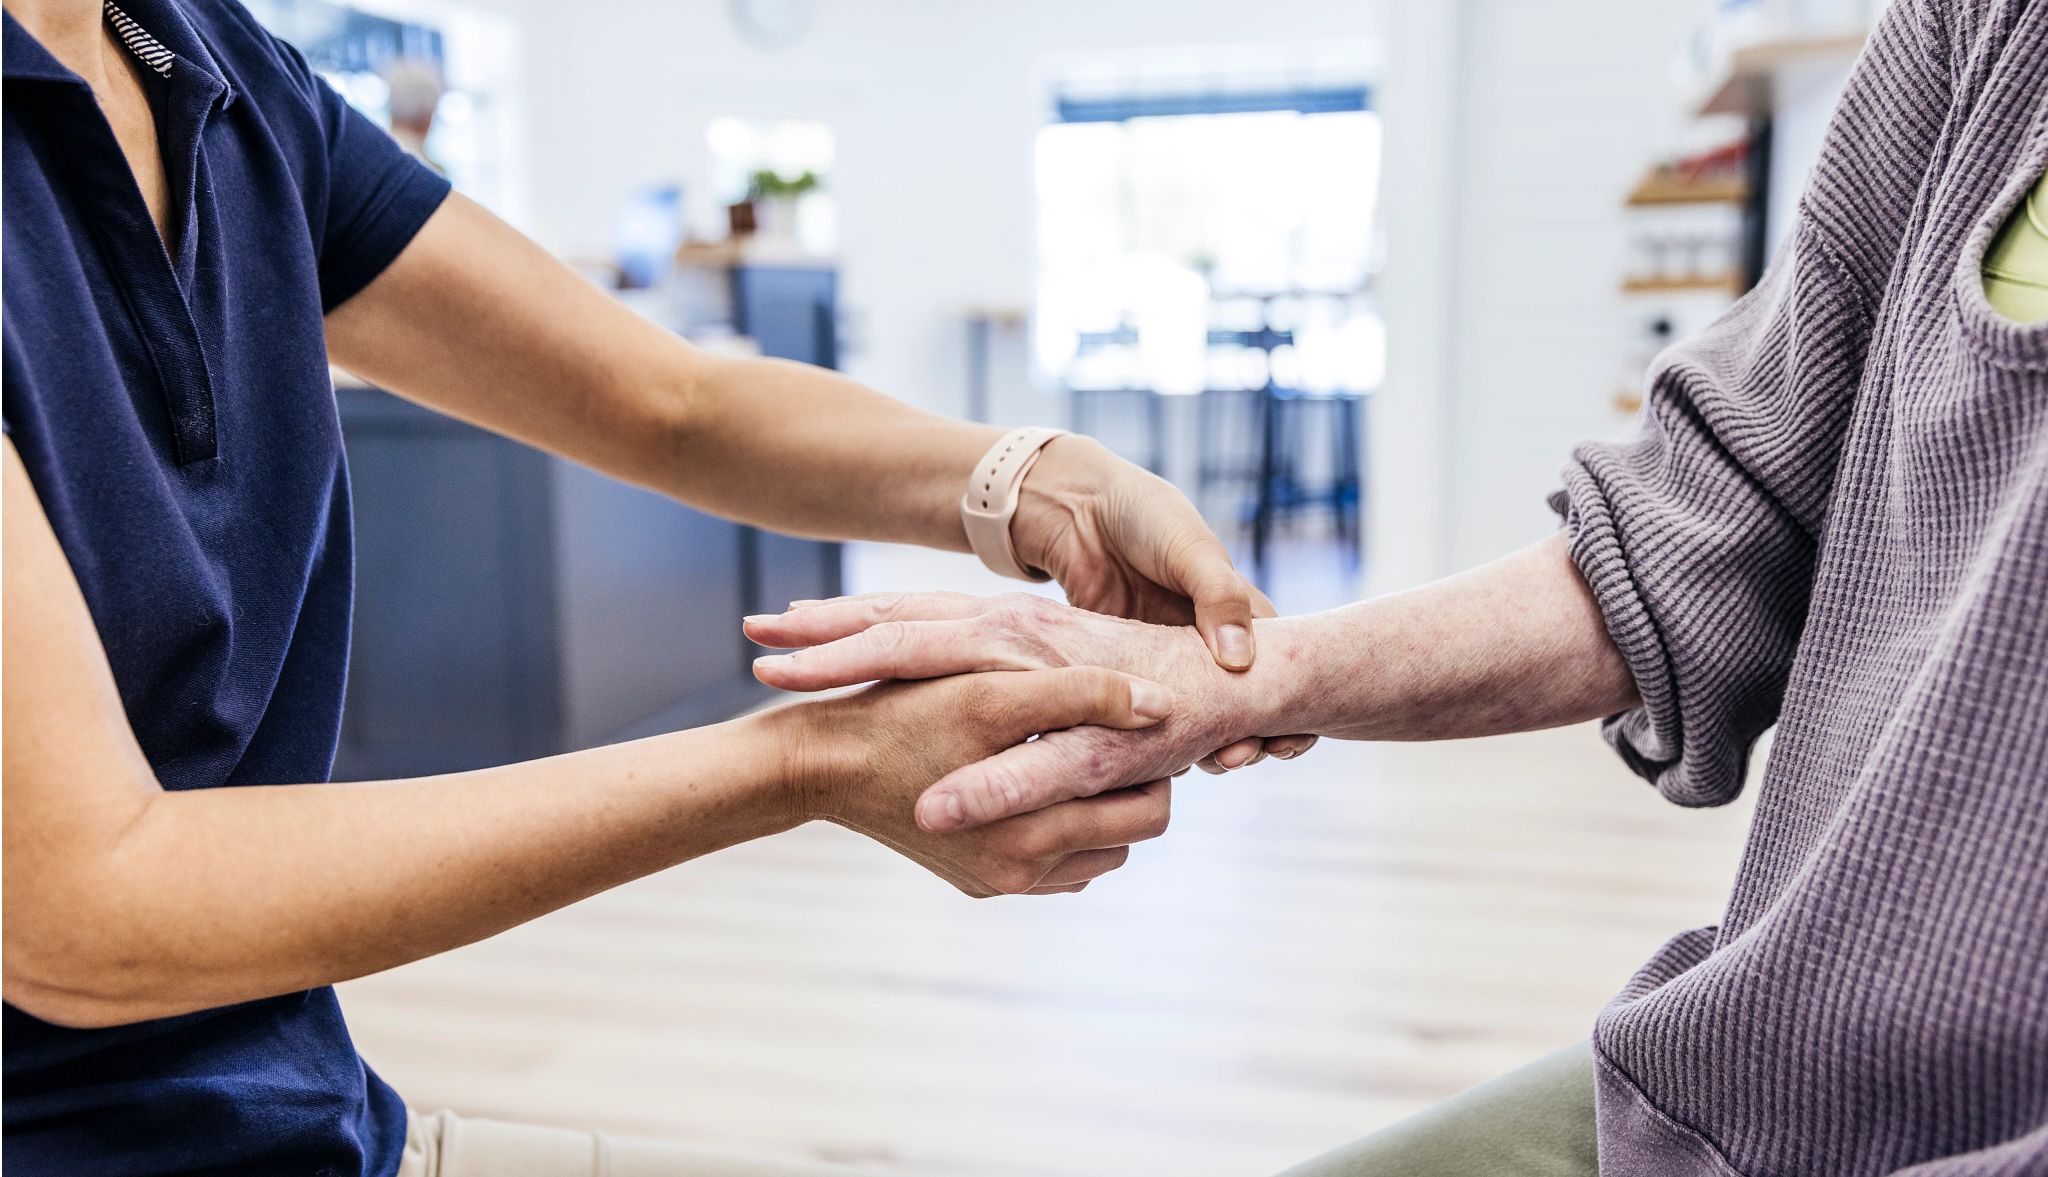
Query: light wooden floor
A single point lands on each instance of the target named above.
(1314, 950)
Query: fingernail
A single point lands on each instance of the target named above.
(773, 661)
(1149, 700)
(802, 605)
(942, 811)
(1234, 645)
(756, 618)
(1287, 753)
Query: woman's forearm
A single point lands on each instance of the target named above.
(477, 321)
(223, 895)
(786, 445)
(1514, 645)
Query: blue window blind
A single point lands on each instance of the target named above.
(1116, 110)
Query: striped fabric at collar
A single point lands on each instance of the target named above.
(139, 42)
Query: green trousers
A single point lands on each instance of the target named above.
(1535, 1122)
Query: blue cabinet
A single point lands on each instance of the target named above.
(510, 604)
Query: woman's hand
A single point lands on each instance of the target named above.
(901, 636)
(861, 760)
(1123, 541)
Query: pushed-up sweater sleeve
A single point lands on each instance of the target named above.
(1698, 536)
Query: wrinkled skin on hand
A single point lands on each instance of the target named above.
(1121, 540)
(896, 636)
(861, 760)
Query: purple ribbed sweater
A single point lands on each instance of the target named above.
(1835, 518)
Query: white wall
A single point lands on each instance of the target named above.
(1565, 103)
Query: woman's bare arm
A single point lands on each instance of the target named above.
(124, 901)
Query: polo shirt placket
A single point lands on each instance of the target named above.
(155, 287)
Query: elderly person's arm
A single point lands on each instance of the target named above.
(1671, 604)
(1515, 645)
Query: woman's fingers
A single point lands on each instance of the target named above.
(1088, 864)
(1239, 754)
(1223, 601)
(1088, 837)
(895, 650)
(1289, 747)
(808, 623)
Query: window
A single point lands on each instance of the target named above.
(1159, 234)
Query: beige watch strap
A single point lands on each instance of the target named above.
(991, 499)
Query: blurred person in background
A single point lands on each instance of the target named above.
(415, 91)
(193, 222)
(1834, 520)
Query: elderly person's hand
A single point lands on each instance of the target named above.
(930, 635)
(861, 760)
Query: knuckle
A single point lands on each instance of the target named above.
(1096, 763)
(1005, 787)
(1035, 843)
(1155, 824)
(1008, 612)
(1099, 686)
(885, 606)
(1013, 880)
(887, 637)
(1036, 608)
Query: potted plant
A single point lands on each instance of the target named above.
(774, 197)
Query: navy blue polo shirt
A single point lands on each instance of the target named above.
(174, 413)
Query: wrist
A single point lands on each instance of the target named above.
(1055, 500)
(1279, 694)
(807, 758)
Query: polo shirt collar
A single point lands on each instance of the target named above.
(23, 57)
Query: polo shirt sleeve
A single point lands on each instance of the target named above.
(376, 196)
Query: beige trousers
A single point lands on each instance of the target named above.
(443, 1144)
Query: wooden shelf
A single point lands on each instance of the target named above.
(1662, 186)
(1747, 85)
(1727, 284)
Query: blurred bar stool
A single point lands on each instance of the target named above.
(1295, 422)
(1231, 423)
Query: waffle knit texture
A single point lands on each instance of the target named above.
(1834, 518)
